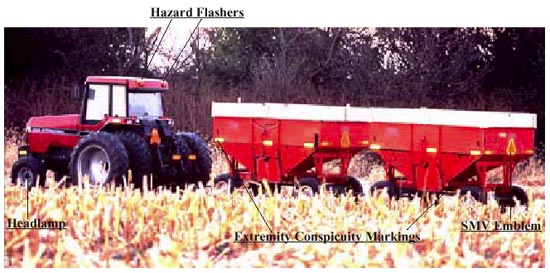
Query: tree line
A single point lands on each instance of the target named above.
(492, 69)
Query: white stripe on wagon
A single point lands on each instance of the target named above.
(480, 119)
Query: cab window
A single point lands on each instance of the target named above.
(97, 102)
(119, 100)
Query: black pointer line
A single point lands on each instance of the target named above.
(511, 182)
(158, 45)
(184, 46)
(439, 196)
(259, 211)
(27, 200)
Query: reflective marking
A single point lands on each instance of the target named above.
(375, 147)
(431, 150)
(308, 145)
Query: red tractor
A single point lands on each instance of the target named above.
(120, 133)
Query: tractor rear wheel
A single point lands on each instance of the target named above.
(199, 159)
(101, 157)
(27, 171)
(182, 167)
(141, 160)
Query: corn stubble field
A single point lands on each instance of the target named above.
(126, 228)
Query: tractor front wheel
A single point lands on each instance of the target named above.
(28, 171)
(101, 157)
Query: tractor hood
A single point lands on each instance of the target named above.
(65, 122)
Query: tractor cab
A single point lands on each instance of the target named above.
(134, 104)
(128, 97)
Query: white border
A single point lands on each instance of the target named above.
(285, 13)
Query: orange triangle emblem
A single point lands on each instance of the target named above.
(511, 147)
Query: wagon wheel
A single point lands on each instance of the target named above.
(429, 198)
(516, 196)
(222, 183)
(467, 199)
(380, 186)
(227, 183)
(355, 186)
(308, 186)
(470, 195)
(470, 198)
(520, 195)
(254, 187)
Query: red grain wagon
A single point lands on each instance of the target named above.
(423, 150)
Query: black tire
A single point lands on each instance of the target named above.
(28, 171)
(507, 199)
(311, 183)
(392, 192)
(107, 145)
(230, 180)
(255, 187)
(58, 176)
(201, 166)
(141, 160)
(475, 192)
(520, 195)
(354, 185)
(182, 167)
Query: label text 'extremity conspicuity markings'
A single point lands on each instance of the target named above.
(332, 237)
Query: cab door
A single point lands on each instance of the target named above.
(102, 101)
